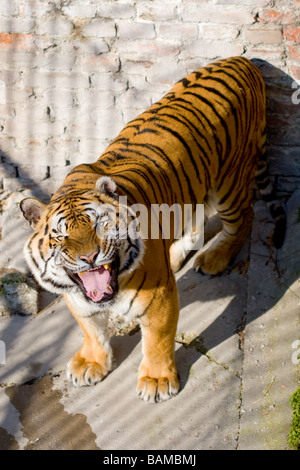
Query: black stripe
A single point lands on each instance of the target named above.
(225, 84)
(136, 293)
(151, 301)
(162, 173)
(141, 173)
(188, 124)
(239, 171)
(214, 133)
(160, 153)
(178, 136)
(177, 103)
(222, 121)
(138, 187)
(223, 98)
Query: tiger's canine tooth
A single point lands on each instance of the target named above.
(107, 266)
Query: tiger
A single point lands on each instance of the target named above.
(203, 142)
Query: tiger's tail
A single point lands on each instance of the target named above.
(268, 194)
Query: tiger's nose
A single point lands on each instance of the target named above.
(90, 258)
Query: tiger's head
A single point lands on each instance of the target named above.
(81, 242)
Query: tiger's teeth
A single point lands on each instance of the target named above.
(109, 289)
(107, 266)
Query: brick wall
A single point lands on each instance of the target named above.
(74, 72)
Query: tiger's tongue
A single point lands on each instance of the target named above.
(96, 283)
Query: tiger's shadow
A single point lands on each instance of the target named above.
(217, 309)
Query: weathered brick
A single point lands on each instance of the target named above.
(6, 110)
(28, 125)
(134, 98)
(33, 8)
(57, 27)
(100, 28)
(292, 33)
(182, 32)
(265, 36)
(133, 67)
(16, 41)
(243, 2)
(100, 63)
(212, 50)
(55, 60)
(218, 31)
(130, 113)
(206, 12)
(8, 9)
(15, 95)
(16, 25)
(41, 79)
(58, 174)
(166, 71)
(146, 50)
(89, 149)
(105, 81)
(294, 53)
(9, 77)
(295, 72)
(273, 55)
(277, 17)
(156, 10)
(138, 82)
(80, 10)
(134, 30)
(105, 124)
(88, 101)
(59, 97)
(191, 64)
(92, 46)
(19, 61)
(115, 10)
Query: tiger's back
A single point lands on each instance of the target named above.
(192, 138)
(199, 144)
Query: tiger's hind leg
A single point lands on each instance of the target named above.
(191, 239)
(236, 214)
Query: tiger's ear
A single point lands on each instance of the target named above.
(32, 210)
(106, 185)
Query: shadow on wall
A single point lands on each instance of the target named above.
(283, 127)
(11, 180)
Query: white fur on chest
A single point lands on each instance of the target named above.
(125, 308)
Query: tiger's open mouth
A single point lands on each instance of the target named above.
(98, 284)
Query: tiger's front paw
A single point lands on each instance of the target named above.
(83, 372)
(156, 390)
(211, 262)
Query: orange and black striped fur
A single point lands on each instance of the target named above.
(200, 144)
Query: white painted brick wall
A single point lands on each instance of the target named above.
(74, 72)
